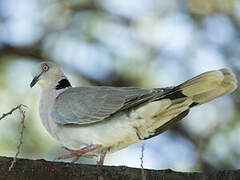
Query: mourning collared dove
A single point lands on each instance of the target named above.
(96, 120)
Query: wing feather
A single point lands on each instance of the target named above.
(86, 105)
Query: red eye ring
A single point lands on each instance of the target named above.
(45, 67)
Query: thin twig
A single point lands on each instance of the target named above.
(10, 112)
(142, 171)
(22, 112)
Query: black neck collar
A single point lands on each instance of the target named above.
(63, 84)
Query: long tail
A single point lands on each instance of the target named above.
(174, 105)
(209, 86)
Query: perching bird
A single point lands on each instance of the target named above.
(96, 120)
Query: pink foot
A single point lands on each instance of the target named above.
(79, 153)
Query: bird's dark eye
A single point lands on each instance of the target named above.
(45, 67)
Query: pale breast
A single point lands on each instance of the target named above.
(46, 102)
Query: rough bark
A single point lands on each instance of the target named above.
(40, 169)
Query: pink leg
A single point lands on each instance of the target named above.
(102, 157)
(79, 153)
(84, 149)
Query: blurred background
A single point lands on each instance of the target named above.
(146, 43)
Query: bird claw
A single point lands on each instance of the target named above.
(68, 156)
(79, 153)
(89, 155)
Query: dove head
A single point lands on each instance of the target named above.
(48, 74)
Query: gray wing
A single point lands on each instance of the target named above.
(85, 105)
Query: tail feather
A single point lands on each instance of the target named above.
(177, 101)
(208, 86)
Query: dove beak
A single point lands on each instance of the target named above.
(35, 80)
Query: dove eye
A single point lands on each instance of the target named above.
(45, 67)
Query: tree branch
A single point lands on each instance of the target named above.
(41, 169)
(12, 110)
(22, 112)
